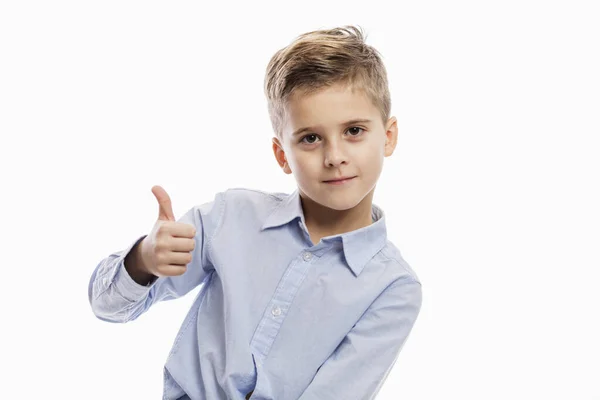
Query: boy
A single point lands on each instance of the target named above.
(303, 297)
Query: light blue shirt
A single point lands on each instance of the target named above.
(276, 314)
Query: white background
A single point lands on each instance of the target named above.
(492, 195)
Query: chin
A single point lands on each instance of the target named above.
(339, 201)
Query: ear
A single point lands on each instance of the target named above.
(391, 136)
(280, 156)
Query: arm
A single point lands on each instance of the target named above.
(116, 297)
(361, 363)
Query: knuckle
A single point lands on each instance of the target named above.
(174, 271)
(165, 228)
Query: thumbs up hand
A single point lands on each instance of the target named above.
(166, 250)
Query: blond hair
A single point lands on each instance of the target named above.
(318, 59)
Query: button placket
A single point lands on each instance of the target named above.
(282, 299)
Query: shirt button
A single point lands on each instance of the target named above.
(276, 311)
(307, 256)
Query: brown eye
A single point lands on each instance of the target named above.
(355, 131)
(310, 139)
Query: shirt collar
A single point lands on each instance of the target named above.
(359, 246)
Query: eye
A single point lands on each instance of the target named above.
(355, 131)
(309, 139)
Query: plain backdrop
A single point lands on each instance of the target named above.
(492, 195)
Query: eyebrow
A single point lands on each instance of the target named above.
(351, 122)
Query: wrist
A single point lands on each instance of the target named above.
(135, 267)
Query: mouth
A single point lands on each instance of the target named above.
(340, 181)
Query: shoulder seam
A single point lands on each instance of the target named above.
(413, 278)
(221, 204)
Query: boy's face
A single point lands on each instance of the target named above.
(331, 134)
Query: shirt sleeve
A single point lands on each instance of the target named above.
(361, 363)
(115, 297)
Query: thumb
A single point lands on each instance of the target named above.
(165, 210)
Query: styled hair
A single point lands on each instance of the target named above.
(319, 59)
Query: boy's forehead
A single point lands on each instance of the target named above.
(327, 107)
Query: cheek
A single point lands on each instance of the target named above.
(298, 163)
(372, 158)
(301, 159)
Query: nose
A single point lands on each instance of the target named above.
(334, 155)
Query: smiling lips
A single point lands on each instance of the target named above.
(340, 181)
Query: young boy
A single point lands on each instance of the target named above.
(303, 295)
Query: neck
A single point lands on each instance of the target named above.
(323, 221)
